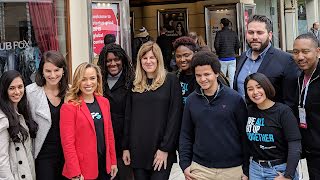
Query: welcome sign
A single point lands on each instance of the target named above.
(105, 20)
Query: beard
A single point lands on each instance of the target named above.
(262, 46)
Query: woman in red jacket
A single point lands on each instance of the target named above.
(86, 128)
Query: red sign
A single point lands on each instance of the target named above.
(104, 21)
(246, 18)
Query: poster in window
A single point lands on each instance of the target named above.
(105, 20)
(174, 20)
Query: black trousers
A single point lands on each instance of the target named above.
(313, 164)
(145, 174)
(49, 169)
(124, 172)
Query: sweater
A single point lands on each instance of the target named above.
(213, 132)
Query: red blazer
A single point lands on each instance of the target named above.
(79, 140)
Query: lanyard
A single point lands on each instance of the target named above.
(306, 90)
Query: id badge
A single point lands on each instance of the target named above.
(302, 117)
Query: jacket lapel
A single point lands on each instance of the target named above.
(85, 110)
(43, 109)
(266, 60)
(103, 108)
(242, 59)
(119, 83)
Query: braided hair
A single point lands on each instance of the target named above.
(127, 70)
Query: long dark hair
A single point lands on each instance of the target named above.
(127, 70)
(8, 109)
(57, 59)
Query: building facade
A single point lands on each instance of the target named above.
(76, 27)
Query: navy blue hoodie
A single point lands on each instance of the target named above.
(213, 132)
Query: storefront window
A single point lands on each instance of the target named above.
(28, 28)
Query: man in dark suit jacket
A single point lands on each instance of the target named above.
(277, 65)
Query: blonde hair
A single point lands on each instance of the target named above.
(74, 92)
(201, 41)
(198, 38)
(140, 82)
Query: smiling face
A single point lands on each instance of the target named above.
(207, 79)
(89, 82)
(183, 58)
(114, 64)
(306, 55)
(16, 91)
(149, 64)
(52, 73)
(255, 92)
(258, 36)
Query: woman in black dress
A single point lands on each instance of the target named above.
(117, 74)
(154, 117)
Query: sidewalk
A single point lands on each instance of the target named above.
(176, 173)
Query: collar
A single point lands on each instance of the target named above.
(315, 74)
(199, 91)
(116, 76)
(261, 55)
(225, 28)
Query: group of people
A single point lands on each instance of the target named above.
(122, 121)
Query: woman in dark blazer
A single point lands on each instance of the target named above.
(154, 117)
(117, 76)
(86, 128)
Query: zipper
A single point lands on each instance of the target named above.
(202, 94)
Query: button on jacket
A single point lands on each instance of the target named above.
(79, 141)
(16, 160)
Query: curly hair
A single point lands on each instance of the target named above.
(185, 41)
(127, 70)
(74, 92)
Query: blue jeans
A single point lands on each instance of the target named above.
(258, 172)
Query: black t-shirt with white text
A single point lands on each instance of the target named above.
(270, 130)
(188, 84)
(99, 127)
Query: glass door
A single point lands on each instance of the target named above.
(213, 15)
(244, 11)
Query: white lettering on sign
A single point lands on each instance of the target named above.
(13, 45)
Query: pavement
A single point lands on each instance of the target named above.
(176, 172)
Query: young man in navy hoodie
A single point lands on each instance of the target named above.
(213, 142)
